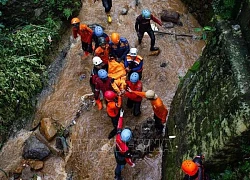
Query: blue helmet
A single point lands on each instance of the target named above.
(98, 31)
(134, 77)
(126, 135)
(102, 74)
(146, 13)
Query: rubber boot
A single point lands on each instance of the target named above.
(109, 19)
(99, 104)
(154, 48)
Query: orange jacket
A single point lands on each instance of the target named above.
(160, 110)
(85, 32)
(116, 69)
(103, 53)
(134, 87)
(113, 108)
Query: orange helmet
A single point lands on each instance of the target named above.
(115, 38)
(75, 21)
(189, 167)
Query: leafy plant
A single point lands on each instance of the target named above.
(204, 31)
(223, 8)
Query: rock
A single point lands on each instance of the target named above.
(171, 16)
(36, 165)
(34, 149)
(124, 10)
(168, 25)
(27, 173)
(48, 129)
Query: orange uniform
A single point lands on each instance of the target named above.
(160, 110)
(113, 108)
(103, 53)
(85, 32)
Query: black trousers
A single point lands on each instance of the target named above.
(87, 47)
(158, 125)
(107, 4)
(135, 105)
(115, 120)
(151, 35)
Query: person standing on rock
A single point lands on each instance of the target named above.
(107, 4)
(114, 104)
(142, 25)
(122, 152)
(85, 33)
(134, 101)
(134, 63)
(160, 110)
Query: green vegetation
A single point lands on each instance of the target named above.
(232, 173)
(24, 54)
(224, 8)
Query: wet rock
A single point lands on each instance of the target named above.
(171, 16)
(27, 173)
(48, 129)
(34, 149)
(36, 165)
(168, 25)
(124, 10)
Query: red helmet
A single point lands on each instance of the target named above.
(189, 167)
(110, 95)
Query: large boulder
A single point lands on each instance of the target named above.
(34, 149)
(48, 129)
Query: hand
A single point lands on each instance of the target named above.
(133, 165)
(121, 112)
(122, 91)
(127, 69)
(129, 90)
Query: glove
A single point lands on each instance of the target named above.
(99, 104)
(133, 165)
(121, 112)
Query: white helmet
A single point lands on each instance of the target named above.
(150, 94)
(133, 52)
(97, 60)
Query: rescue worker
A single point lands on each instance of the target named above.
(117, 72)
(134, 101)
(103, 50)
(98, 64)
(122, 152)
(85, 33)
(160, 110)
(133, 63)
(194, 169)
(98, 32)
(102, 84)
(119, 46)
(113, 107)
(142, 25)
(107, 4)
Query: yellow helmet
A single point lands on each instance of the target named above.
(75, 21)
(115, 38)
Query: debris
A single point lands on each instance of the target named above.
(163, 64)
(82, 76)
(124, 10)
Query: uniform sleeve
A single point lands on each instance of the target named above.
(90, 34)
(156, 20)
(120, 123)
(127, 48)
(125, 62)
(141, 94)
(137, 24)
(74, 31)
